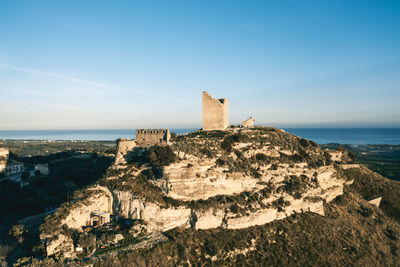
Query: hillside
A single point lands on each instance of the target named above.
(255, 196)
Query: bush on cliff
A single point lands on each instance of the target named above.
(230, 140)
(160, 155)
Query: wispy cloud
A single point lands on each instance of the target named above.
(92, 83)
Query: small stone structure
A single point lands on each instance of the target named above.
(123, 147)
(376, 201)
(249, 123)
(215, 113)
(98, 218)
(151, 137)
(336, 155)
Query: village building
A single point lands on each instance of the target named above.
(13, 167)
(215, 113)
(43, 169)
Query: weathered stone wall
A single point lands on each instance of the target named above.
(249, 123)
(123, 147)
(376, 201)
(215, 113)
(151, 137)
(335, 155)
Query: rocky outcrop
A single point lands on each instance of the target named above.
(157, 218)
(62, 244)
(124, 146)
(100, 199)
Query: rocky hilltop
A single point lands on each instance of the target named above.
(258, 186)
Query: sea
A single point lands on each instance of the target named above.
(389, 136)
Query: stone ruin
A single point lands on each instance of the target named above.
(123, 147)
(151, 137)
(376, 201)
(215, 113)
(249, 123)
(336, 155)
(145, 138)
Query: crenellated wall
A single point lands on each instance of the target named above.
(151, 137)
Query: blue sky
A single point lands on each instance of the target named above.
(130, 64)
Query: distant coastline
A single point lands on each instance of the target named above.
(356, 136)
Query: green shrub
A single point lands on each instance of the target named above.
(263, 158)
(220, 162)
(230, 140)
(160, 155)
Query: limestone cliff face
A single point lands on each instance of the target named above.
(157, 218)
(100, 200)
(63, 244)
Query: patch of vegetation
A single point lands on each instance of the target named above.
(230, 140)
(371, 185)
(280, 203)
(42, 148)
(297, 185)
(160, 155)
(155, 156)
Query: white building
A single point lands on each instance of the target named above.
(14, 167)
(42, 168)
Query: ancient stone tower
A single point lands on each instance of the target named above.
(215, 113)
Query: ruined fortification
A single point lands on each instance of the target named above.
(249, 123)
(144, 138)
(215, 113)
(123, 147)
(151, 137)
